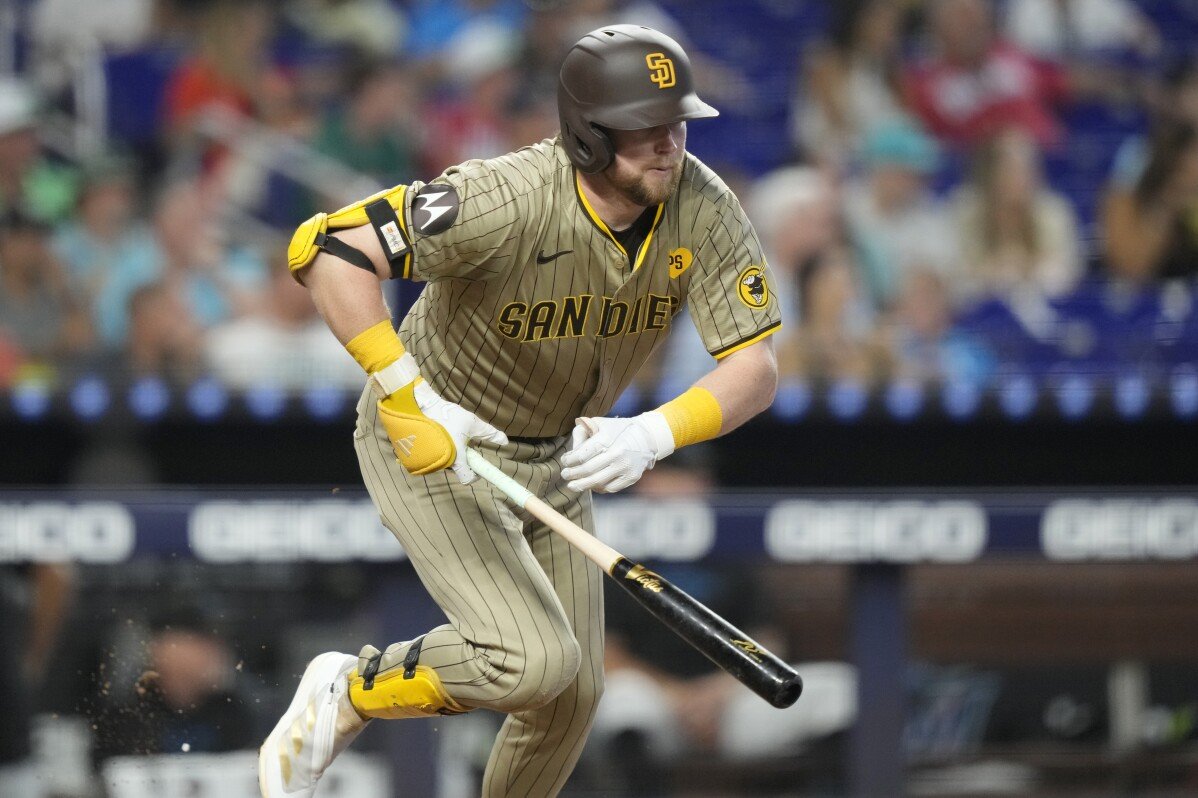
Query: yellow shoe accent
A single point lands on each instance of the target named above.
(297, 736)
(285, 767)
(393, 696)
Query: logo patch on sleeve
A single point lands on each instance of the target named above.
(752, 288)
(434, 209)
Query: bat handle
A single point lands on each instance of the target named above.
(591, 547)
(506, 485)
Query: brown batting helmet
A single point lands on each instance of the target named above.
(622, 77)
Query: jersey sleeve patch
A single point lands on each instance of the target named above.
(434, 209)
(752, 288)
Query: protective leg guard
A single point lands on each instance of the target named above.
(413, 692)
(384, 211)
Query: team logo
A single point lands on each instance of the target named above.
(661, 70)
(434, 209)
(680, 261)
(752, 288)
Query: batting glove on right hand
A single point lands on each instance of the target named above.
(430, 433)
(609, 454)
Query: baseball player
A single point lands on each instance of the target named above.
(553, 272)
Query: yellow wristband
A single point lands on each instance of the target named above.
(693, 417)
(376, 348)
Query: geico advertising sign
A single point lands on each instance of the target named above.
(882, 531)
(328, 530)
(678, 530)
(1120, 529)
(90, 532)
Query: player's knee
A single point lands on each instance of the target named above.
(562, 670)
(547, 671)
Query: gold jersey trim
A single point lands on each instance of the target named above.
(603, 228)
(720, 354)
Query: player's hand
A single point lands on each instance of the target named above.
(609, 454)
(430, 433)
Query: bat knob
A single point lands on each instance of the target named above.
(788, 692)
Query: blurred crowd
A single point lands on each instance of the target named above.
(973, 187)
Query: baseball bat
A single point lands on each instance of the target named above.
(720, 641)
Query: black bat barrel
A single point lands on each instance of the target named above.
(718, 640)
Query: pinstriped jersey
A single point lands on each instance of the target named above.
(534, 314)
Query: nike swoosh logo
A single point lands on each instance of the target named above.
(543, 258)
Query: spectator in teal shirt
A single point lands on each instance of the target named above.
(108, 251)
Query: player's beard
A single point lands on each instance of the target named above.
(641, 190)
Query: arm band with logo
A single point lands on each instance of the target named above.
(693, 417)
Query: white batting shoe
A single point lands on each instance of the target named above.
(318, 726)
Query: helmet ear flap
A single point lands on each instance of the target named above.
(594, 151)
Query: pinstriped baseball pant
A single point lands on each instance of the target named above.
(525, 610)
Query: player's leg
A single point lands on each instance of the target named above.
(508, 644)
(537, 749)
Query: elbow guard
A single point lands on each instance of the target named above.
(384, 213)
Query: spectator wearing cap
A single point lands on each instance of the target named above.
(891, 213)
(108, 250)
(29, 182)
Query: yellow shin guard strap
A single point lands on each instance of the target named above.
(693, 417)
(376, 348)
(395, 695)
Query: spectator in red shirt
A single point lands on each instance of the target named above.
(974, 84)
(228, 71)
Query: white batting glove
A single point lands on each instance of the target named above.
(609, 454)
(462, 426)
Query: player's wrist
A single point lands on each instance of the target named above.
(661, 437)
(376, 347)
(693, 417)
(389, 379)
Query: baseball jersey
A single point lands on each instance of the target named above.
(534, 314)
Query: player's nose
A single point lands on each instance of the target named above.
(668, 139)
